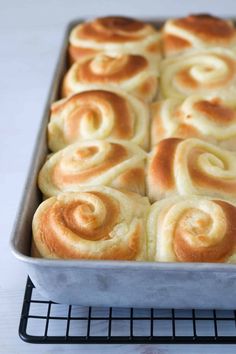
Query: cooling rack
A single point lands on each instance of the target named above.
(46, 322)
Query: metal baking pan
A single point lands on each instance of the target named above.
(113, 283)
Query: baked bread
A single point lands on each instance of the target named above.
(211, 73)
(95, 223)
(98, 114)
(192, 229)
(114, 35)
(191, 166)
(94, 162)
(130, 73)
(197, 32)
(196, 116)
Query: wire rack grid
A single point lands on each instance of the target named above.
(46, 322)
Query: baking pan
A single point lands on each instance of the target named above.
(113, 283)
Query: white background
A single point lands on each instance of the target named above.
(30, 37)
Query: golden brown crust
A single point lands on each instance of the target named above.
(212, 253)
(161, 166)
(98, 114)
(197, 32)
(207, 27)
(77, 53)
(97, 162)
(216, 111)
(192, 229)
(157, 127)
(132, 73)
(173, 44)
(115, 155)
(133, 180)
(210, 73)
(87, 103)
(209, 119)
(184, 77)
(147, 86)
(91, 225)
(191, 166)
(106, 69)
(111, 29)
(111, 35)
(206, 181)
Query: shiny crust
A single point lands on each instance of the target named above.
(197, 32)
(191, 166)
(211, 73)
(131, 73)
(98, 114)
(98, 162)
(95, 223)
(192, 229)
(114, 35)
(208, 119)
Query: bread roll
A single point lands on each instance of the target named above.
(114, 35)
(95, 223)
(196, 116)
(191, 166)
(130, 73)
(94, 162)
(196, 32)
(211, 73)
(192, 229)
(98, 114)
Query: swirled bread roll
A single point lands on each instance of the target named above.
(113, 36)
(130, 73)
(191, 166)
(211, 73)
(196, 116)
(98, 114)
(98, 162)
(95, 223)
(196, 32)
(192, 229)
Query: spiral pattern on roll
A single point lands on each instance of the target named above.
(98, 162)
(98, 114)
(131, 73)
(211, 73)
(192, 229)
(112, 36)
(191, 166)
(96, 223)
(205, 118)
(197, 32)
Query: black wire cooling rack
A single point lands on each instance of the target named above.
(47, 322)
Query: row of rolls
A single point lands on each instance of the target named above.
(142, 162)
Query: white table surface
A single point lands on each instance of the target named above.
(30, 37)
